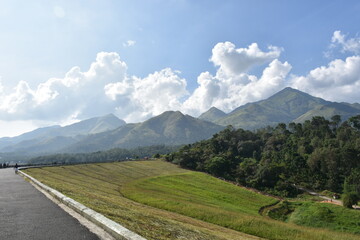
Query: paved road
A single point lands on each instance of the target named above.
(25, 213)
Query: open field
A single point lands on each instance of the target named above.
(183, 195)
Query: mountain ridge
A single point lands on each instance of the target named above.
(170, 128)
(285, 106)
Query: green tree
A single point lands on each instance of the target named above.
(218, 166)
(350, 199)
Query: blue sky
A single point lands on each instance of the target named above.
(63, 61)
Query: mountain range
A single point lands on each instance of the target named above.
(288, 105)
(169, 128)
(53, 138)
(173, 127)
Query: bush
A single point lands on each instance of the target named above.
(350, 199)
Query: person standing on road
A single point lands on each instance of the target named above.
(16, 168)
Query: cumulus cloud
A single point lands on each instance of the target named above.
(105, 87)
(149, 96)
(338, 81)
(229, 93)
(351, 45)
(234, 61)
(232, 86)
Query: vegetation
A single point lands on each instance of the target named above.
(319, 154)
(116, 154)
(350, 199)
(105, 187)
(316, 214)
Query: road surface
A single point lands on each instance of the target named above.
(25, 213)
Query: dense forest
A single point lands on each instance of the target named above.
(319, 154)
(116, 154)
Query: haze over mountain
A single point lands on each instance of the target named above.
(285, 106)
(169, 128)
(53, 138)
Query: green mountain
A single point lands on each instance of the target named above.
(212, 115)
(91, 126)
(169, 128)
(285, 106)
(329, 110)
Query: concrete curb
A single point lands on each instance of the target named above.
(113, 228)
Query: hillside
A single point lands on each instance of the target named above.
(344, 110)
(285, 106)
(170, 128)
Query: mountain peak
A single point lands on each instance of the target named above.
(284, 106)
(212, 114)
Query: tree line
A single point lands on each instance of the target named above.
(320, 154)
(112, 155)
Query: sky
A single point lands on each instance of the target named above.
(65, 61)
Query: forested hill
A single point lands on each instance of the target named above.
(288, 105)
(319, 154)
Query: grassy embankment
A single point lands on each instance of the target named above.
(316, 214)
(108, 188)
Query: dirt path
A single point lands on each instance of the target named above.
(326, 199)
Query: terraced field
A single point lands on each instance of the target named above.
(158, 200)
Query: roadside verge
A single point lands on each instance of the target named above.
(113, 228)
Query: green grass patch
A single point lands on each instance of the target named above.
(282, 211)
(325, 215)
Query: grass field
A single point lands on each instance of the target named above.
(327, 216)
(158, 200)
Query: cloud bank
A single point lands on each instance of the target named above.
(107, 87)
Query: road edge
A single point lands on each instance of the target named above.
(113, 228)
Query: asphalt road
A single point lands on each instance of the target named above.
(25, 213)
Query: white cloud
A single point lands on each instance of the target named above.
(234, 61)
(57, 98)
(147, 97)
(351, 45)
(105, 87)
(339, 81)
(129, 43)
(232, 86)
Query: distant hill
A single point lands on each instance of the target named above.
(329, 110)
(7, 141)
(170, 128)
(285, 106)
(212, 114)
(54, 138)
